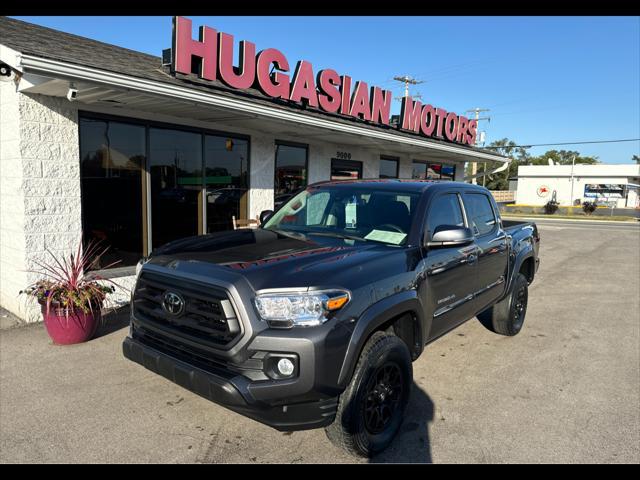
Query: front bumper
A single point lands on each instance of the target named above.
(263, 401)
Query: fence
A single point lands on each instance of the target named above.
(502, 196)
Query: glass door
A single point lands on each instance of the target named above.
(226, 167)
(175, 163)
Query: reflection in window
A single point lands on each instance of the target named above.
(112, 155)
(419, 170)
(433, 171)
(226, 180)
(448, 172)
(175, 159)
(479, 212)
(291, 171)
(388, 167)
(345, 169)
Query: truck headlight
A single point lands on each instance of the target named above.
(305, 309)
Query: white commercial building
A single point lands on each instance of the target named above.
(102, 142)
(612, 185)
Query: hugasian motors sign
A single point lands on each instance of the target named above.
(326, 90)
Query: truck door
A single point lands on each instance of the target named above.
(491, 240)
(449, 271)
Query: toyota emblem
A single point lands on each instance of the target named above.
(173, 303)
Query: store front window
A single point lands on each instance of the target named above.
(112, 156)
(290, 171)
(345, 169)
(388, 167)
(226, 180)
(197, 180)
(175, 162)
(433, 171)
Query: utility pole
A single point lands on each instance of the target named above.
(407, 80)
(474, 165)
(573, 164)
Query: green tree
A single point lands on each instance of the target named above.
(636, 158)
(507, 148)
(562, 157)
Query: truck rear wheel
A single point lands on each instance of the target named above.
(371, 409)
(507, 316)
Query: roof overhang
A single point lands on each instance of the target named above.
(52, 77)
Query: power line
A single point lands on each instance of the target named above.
(407, 80)
(567, 143)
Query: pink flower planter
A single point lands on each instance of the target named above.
(76, 327)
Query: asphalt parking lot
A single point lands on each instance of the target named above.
(566, 389)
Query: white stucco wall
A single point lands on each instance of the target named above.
(12, 238)
(558, 178)
(40, 189)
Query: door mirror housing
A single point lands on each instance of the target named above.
(450, 236)
(265, 215)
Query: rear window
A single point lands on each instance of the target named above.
(479, 213)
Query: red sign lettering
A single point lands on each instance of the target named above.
(211, 57)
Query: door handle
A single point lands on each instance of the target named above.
(469, 259)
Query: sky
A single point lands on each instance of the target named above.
(544, 79)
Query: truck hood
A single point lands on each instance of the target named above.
(267, 259)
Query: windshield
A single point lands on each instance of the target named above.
(363, 214)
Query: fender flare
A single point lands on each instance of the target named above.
(375, 316)
(525, 253)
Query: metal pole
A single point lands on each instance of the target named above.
(573, 161)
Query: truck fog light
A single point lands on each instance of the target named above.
(285, 367)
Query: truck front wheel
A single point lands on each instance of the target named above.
(507, 316)
(371, 409)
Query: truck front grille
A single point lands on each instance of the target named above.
(204, 314)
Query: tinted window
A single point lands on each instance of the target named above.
(226, 163)
(448, 172)
(345, 169)
(419, 170)
(291, 169)
(479, 213)
(445, 210)
(176, 184)
(388, 168)
(112, 155)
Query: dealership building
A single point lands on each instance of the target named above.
(606, 184)
(103, 142)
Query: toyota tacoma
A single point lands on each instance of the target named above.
(314, 318)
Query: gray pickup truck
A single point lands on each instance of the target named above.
(314, 319)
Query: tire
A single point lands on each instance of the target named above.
(507, 316)
(371, 409)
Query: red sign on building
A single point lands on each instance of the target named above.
(212, 56)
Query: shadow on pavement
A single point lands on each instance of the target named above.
(113, 320)
(412, 444)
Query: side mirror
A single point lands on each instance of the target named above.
(450, 236)
(265, 215)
